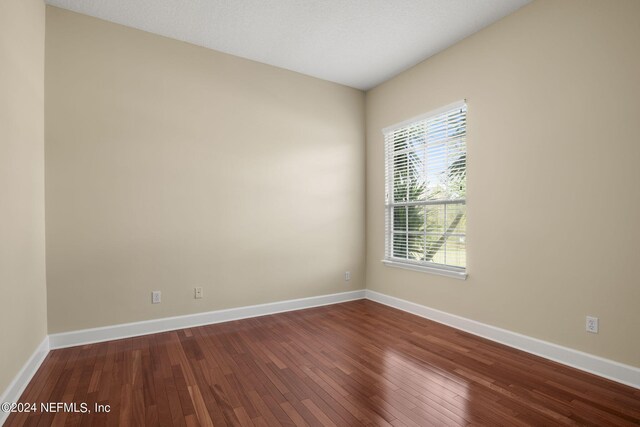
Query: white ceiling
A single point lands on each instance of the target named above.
(358, 43)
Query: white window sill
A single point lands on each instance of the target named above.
(456, 274)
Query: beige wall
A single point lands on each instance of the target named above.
(170, 166)
(157, 149)
(23, 311)
(553, 172)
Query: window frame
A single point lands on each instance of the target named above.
(389, 204)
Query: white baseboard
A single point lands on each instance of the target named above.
(20, 381)
(606, 368)
(126, 330)
(615, 371)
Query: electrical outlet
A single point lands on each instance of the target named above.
(156, 297)
(197, 292)
(347, 276)
(592, 324)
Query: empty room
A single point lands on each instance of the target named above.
(319, 212)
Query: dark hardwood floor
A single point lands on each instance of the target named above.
(357, 363)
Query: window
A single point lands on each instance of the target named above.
(425, 203)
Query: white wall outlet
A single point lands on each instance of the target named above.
(592, 324)
(197, 292)
(347, 276)
(156, 297)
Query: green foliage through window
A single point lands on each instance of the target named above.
(426, 167)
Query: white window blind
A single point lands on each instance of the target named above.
(426, 174)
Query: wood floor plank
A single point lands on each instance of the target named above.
(356, 363)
